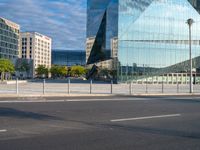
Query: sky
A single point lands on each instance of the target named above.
(62, 20)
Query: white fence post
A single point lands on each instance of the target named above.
(162, 87)
(130, 88)
(69, 85)
(146, 86)
(111, 87)
(43, 86)
(17, 86)
(178, 88)
(90, 86)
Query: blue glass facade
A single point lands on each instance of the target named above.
(153, 37)
(102, 24)
(68, 57)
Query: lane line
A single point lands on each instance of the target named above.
(144, 118)
(94, 100)
(32, 101)
(4, 130)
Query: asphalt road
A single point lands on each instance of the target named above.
(109, 123)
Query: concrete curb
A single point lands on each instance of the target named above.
(53, 95)
(88, 95)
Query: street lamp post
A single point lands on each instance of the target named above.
(190, 22)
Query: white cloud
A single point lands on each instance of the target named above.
(64, 21)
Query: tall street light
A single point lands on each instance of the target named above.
(190, 22)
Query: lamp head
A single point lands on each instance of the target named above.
(190, 21)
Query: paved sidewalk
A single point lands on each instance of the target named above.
(36, 89)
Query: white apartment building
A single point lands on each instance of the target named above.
(36, 46)
(9, 39)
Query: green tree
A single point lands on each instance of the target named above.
(63, 71)
(77, 71)
(6, 66)
(22, 66)
(42, 71)
(58, 71)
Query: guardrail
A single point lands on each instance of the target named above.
(93, 87)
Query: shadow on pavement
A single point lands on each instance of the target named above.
(181, 99)
(10, 112)
(147, 130)
(157, 131)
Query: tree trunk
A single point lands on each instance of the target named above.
(2, 76)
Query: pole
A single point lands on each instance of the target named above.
(146, 86)
(162, 86)
(111, 87)
(43, 86)
(130, 88)
(17, 86)
(190, 22)
(177, 87)
(90, 86)
(68, 85)
(191, 86)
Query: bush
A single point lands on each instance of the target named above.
(6, 66)
(58, 71)
(42, 71)
(77, 71)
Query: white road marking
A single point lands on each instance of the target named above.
(32, 101)
(93, 100)
(144, 118)
(4, 130)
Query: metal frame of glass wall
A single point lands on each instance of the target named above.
(153, 37)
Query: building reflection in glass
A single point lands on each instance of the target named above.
(152, 36)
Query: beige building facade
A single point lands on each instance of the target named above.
(36, 46)
(9, 39)
(114, 47)
(110, 64)
(89, 44)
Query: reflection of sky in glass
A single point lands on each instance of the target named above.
(98, 4)
(96, 10)
(160, 20)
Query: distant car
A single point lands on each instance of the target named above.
(84, 79)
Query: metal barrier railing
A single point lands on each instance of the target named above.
(130, 88)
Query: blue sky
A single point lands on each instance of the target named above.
(63, 20)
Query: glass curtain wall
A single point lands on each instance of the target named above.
(102, 25)
(153, 38)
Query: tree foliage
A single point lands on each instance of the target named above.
(58, 71)
(23, 66)
(6, 66)
(42, 71)
(77, 71)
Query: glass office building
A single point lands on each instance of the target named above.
(102, 22)
(195, 4)
(153, 37)
(68, 57)
(9, 39)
